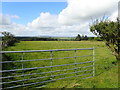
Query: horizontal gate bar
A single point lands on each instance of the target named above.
(45, 72)
(45, 59)
(45, 50)
(44, 67)
(45, 77)
(49, 81)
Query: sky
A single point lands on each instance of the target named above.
(59, 19)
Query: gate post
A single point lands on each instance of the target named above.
(0, 61)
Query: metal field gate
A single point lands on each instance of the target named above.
(38, 67)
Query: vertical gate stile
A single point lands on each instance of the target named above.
(23, 68)
(93, 61)
(51, 63)
(75, 59)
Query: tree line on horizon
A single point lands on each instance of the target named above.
(77, 38)
(9, 39)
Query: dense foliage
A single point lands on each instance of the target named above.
(78, 38)
(108, 31)
(8, 39)
(83, 37)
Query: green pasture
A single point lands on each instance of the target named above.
(106, 67)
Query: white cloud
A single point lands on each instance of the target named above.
(14, 28)
(72, 20)
(15, 16)
(7, 25)
(45, 20)
(82, 10)
(47, 24)
(5, 19)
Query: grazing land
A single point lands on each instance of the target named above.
(106, 75)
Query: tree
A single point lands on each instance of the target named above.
(85, 38)
(8, 39)
(78, 38)
(108, 31)
(82, 37)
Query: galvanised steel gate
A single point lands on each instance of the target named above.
(75, 65)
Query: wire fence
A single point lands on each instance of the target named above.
(46, 70)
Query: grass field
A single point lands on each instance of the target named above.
(106, 75)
